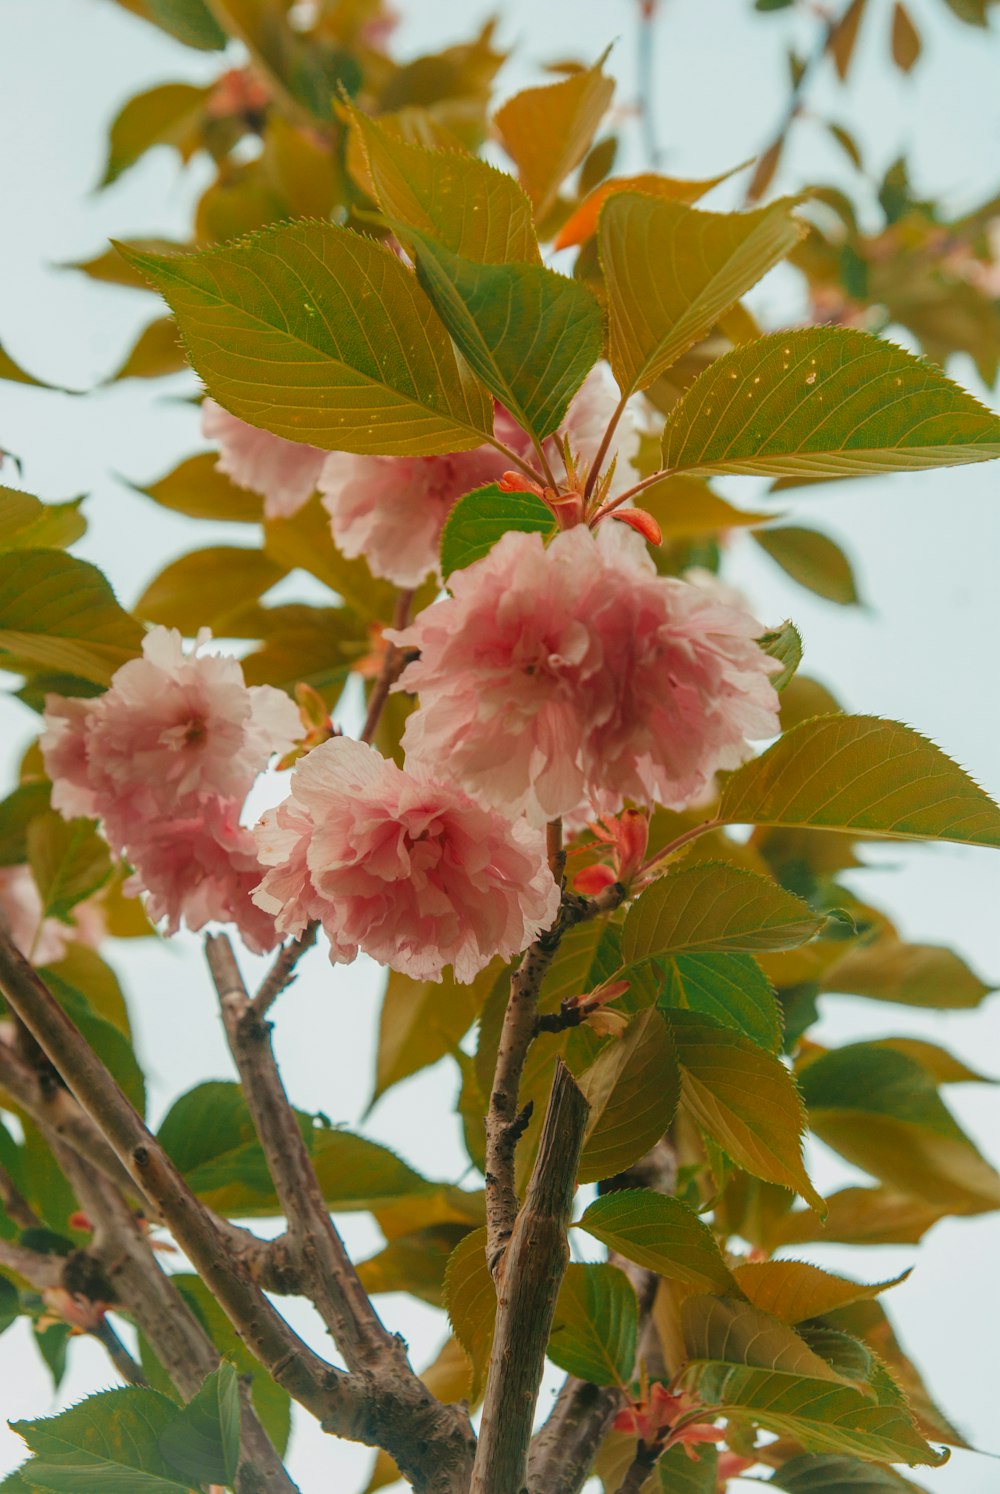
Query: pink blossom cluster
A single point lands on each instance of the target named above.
(165, 759)
(392, 510)
(401, 865)
(571, 677)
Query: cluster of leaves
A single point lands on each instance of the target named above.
(727, 955)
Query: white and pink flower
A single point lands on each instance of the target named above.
(574, 677)
(401, 866)
(284, 473)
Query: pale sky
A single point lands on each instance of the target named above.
(924, 546)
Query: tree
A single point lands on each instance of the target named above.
(502, 474)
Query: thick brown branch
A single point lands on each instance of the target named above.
(563, 1451)
(316, 1251)
(531, 1273)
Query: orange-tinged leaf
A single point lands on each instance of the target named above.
(582, 222)
(547, 131)
(911, 974)
(906, 43)
(795, 1290)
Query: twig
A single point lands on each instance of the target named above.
(392, 665)
(533, 1267)
(768, 159)
(282, 972)
(504, 1125)
(642, 1465)
(325, 1270)
(296, 111)
(35, 1267)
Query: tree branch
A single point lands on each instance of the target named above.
(314, 1246)
(531, 1273)
(392, 665)
(504, 1125)
(640, 1469)
(563, 1451)
(39, 1270)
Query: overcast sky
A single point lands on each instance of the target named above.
(925, 549)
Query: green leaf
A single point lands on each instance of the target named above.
(531, 335)
(745, 1099)
(10, 1304)
(881, 1110)
(829, 1474)
(422, 1021)
(672, 270)
(85, 970)
(69, 862)
(344, 351)
(28, 524)
(731, 988)
(711, 909)
(812, 559)
(796, 1290)
(823, 1415)
(208, 588)
(660, 1233)
(785, 645)
(678, 1473)
(736, 1332)
(466, 205)
(547, 131)
(471, 1300)
(825, 401)
(632, 1088)
(169, 114)
(197, 488)
(203, 1442)
(59, 613)
(860, 774)
(479, 519)
(910, 974)
(108, 1444)
(596, 1325)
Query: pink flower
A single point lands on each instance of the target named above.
(173, 727)
(574, 675)
(200, 866)
(283, 472)
(401, 866)
(392, 510)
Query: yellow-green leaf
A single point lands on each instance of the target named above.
(812, 559)
(60, 614)
(861, 774)
(737, 1332)
(826, 1473)
(463, 203)
(859, 1216)
(344, 351)
(208, 588)
(660, 1233)
(825, 401)
(471, 1299)
(672, 270)
(822, 1415)
(632, 1088)
(596, 1325)
(69, 861)
(686, 508)
(28, 524)
(547, 131)
(911, 974)
(169, 114)
(197, 488)
(304, 540)
(732, 988)
(745, 1099)
(157, 351)
(422, 1021)
(712, 908)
